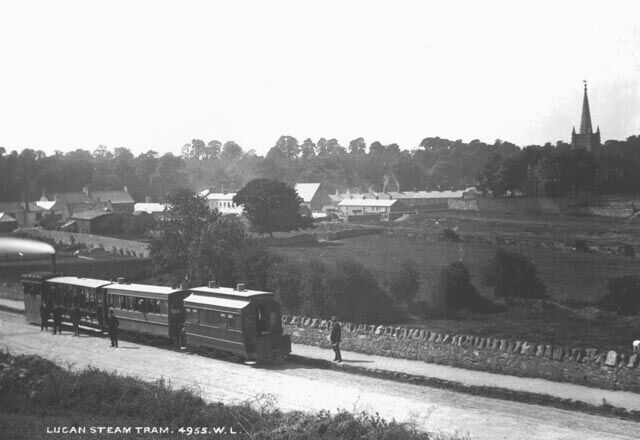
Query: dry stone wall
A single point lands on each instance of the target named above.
(124, 247)
(603, 369)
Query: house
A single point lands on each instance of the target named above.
(16, 211)
(69, 203)
(154, 209)
(223, 202)
(313, 196)
(95, 222)
(119, 201)
(7, 223)
(363, 206)
(412, 200)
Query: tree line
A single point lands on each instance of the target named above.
(436, 163)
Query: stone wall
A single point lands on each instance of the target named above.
(132, 269)
(123, 247)
(519, 358)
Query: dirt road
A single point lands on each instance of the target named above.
(299, 387)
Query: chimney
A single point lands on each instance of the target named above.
(212, 285)
(240, 287)
(43, 197)
(125, 189)
(85, 189)
(147, 199)
(120, 280)
(184, 285)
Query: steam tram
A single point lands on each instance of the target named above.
(239, 321)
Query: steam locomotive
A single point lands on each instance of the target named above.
(246, 323)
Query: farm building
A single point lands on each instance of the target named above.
(384, 208)
(154, 209)
(70, 203)
(96, 222)
(25, 214)
(119, 201)
(223, 202)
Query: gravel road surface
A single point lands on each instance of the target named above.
(307, 388)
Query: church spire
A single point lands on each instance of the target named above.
(585, 124)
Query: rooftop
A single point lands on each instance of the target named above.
(229, 291)
(81, 282)
(307, 191)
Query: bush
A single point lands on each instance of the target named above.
(623, 296)
(456, 291)
(449, 234)
(512, 274)
(405, 282)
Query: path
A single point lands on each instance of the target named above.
(307, 388)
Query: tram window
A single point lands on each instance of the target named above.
(272, 319)
(191, 315)
(233, 322)
(163, 307)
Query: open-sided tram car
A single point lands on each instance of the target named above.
(51, 290)
(245, 322)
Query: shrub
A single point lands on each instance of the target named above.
(405, 282)
(512, 274)
(456, 291)
(449, 234)
(623, 296)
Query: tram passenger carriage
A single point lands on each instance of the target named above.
(244, 322)
(240, 321)
(146, 309)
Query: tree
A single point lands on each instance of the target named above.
(512, 274)
(178, 248)
(285, 278)
(270, 206)
(455, 290)
(623, 296)
(405, 282)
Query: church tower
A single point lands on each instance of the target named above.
(586, 138)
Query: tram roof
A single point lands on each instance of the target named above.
(229, 291)
(194, 300)
(80, 282)
(142, 288)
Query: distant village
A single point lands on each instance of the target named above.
(90, 212)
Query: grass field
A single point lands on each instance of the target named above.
(567, 275)
(570, 277)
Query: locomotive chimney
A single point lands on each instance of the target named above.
(240, 287)
(53, 263)
(120, 280)
(212, 285)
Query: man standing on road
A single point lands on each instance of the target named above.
(58, 311)
(336, 333)
(112, 327)
(44, 317)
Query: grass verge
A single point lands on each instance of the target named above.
(37, 396)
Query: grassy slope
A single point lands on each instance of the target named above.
(567, 275)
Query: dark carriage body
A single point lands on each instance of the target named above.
(146, 309)
(244, 322)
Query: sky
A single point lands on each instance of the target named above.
(156, 74)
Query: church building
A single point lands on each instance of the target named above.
(586, 138)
